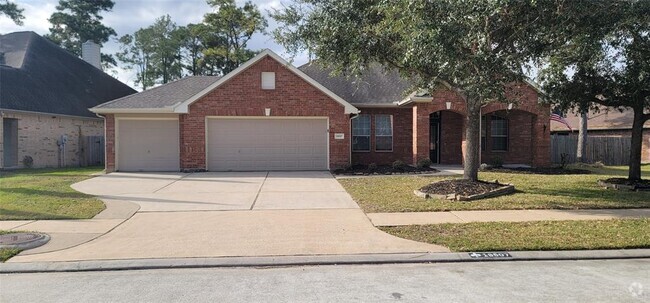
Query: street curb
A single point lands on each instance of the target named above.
(274, 261)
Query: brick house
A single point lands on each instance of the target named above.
(269, 115)
(45, 93)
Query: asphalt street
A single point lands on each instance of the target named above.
(539, 281)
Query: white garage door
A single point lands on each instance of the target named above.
(147, 145)
(267, 144)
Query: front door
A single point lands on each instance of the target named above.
(434, 137)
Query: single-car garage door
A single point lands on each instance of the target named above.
(147, 145)
(267, 144)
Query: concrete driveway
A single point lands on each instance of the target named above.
(221, 191)
(231, 214)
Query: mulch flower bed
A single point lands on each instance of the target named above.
(464, 190)
(363, 170)
(625, 184)
(540, 170)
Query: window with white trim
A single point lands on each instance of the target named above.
(499, 133)
(361, 133)
(268, 80)
(383, 132)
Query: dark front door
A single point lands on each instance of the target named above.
(434, 137)
(10, 142)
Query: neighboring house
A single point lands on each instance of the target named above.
(606, 123)
(269, 115)
(45, 93)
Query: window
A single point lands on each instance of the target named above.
(483, 132)
(268, 80)
(361, 133)
(383, 132)
(499, 133)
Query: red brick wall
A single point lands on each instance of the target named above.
(534, 137)
(243, 96)
(109, 141)
(402, 130)
(520, 139)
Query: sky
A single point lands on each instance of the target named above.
(128, 16)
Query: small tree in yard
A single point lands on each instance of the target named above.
(604, 60)
(475, 48)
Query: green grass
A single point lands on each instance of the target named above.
(7, 253)
(395, 193)
(543, 235)
(29, 194)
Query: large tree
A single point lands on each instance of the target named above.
(604, 61)
(136, 53)
(78, 21)
(167, 40)
(233, 26)
(155, 51)
(475, 48)
(12, 11)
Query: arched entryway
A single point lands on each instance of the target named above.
(446, 137)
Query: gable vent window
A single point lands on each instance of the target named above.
(268, 80)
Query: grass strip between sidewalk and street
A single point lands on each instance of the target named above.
(37, 194)
(533, 191)
(540, 235)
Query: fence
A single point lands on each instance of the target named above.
(93, 150)
(609, 150)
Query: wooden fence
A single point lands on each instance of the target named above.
(609, 150)
(92, 150)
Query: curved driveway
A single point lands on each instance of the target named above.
(231, 214)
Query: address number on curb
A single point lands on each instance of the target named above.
(490, 255)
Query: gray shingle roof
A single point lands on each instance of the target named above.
(375, 86)
(165, 95)
(37, 75)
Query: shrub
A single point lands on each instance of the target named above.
(496, 162)
(399, 165)
(372, 167)
(424, 163)
(28, 161)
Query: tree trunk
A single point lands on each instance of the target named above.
(636, 145)
(582, 139)
(472, 139)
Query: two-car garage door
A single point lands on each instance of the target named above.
(267, 144)
(233, 144)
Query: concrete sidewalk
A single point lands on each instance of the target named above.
(421, 218)
(70, 233)
(208, 234)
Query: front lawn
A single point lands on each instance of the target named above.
(29, 194)
(534, 191)
(540, 235)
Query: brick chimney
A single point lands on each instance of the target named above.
(90, 52)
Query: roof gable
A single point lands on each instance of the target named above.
(183, 107)
(39, 76)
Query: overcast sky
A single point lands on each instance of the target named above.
(128, 16)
